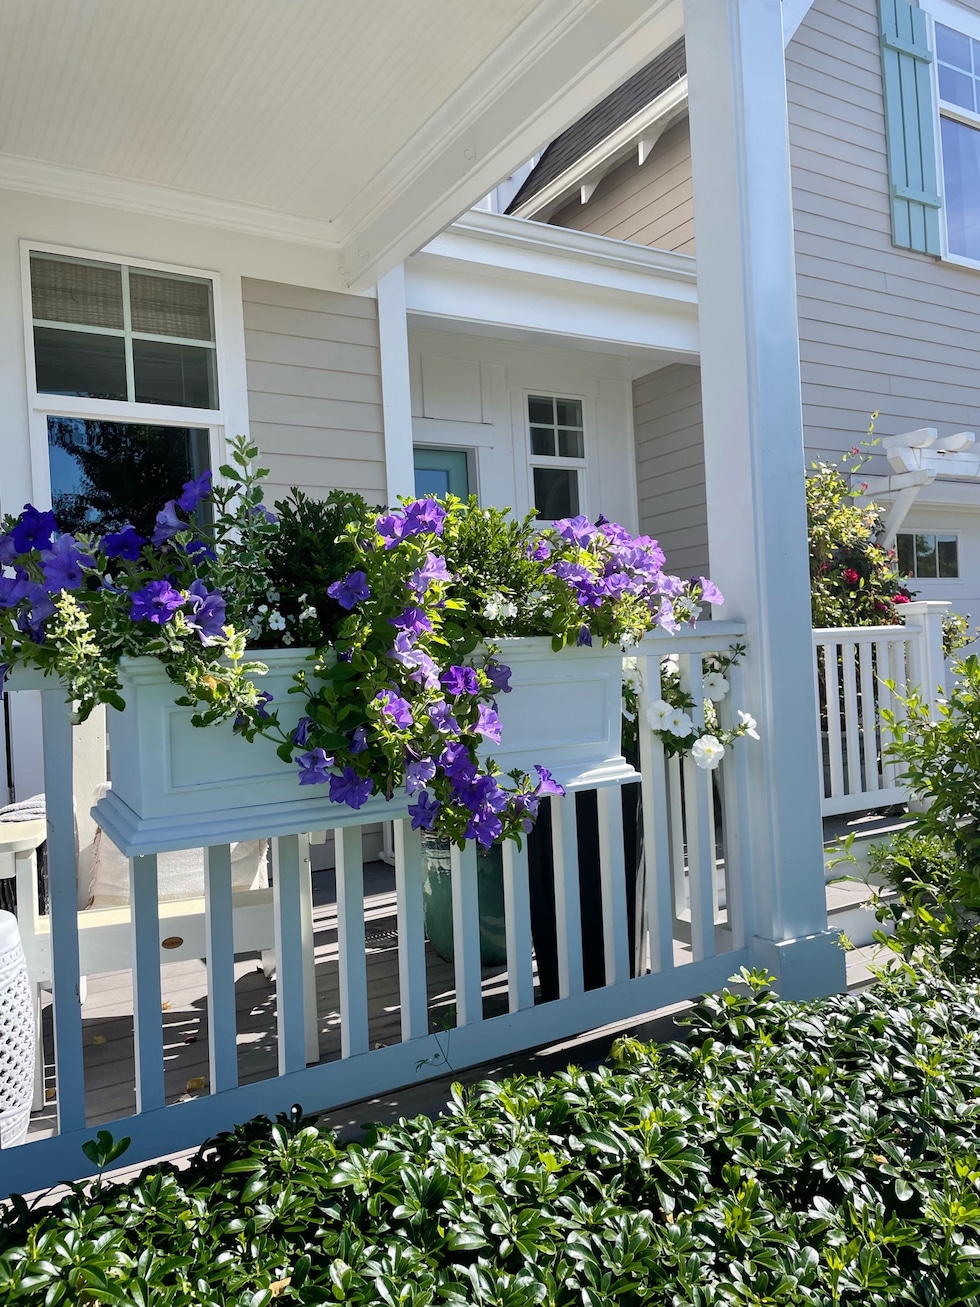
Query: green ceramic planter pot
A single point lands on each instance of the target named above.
(437, 896)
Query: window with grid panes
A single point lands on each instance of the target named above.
(557, 446)
(108, 331)
(958, 75)
(926, 554)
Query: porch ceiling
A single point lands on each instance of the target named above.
(362, 127)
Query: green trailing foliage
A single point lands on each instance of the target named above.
(787, 1153)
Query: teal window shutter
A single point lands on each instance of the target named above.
(910, 126)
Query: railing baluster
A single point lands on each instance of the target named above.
(869, 720)
(517, 921)
(820, 654)
(678, 858)
(466, 934)
(833, 720)
(735, 807)
(413, 995)
(656, 834)
(352, 962)
(63, 909)
(612, 873)
(852, 734)
(290, 996)
(698, 825)
(147, 1006)
(219, 919)
(568, 909)
(308, 952)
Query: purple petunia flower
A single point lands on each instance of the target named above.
(200, 549)
(262, 699)
(350, 788)
(460, 680)
(8, 550)
(441, 717)
(424, 811)
(421, 515)
(126, 543)
(547, 783)
(260, 510)
(358, 740)
(584, 636)
(710, 594)
(206, 612)
(418, 775)
(434, 569)
(577, 530)
(499, 676)
(41, 608)
(156, 602)
(398, 710)
(353, 589)
(62, 565)
(195, 491)
(14, 588)
(488, 724)
(485, 827)
(314, 767)
(168, 525)
(540, 551)
(456, 762)
(301, 734)
(33, 530)
(412, 620)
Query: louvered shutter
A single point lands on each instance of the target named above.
(910, 126)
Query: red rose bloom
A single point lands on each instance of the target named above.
(900, 599)
(850, 576)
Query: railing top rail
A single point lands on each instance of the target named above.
(839, 634)
(706, 637)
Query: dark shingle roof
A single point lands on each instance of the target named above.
(634, 94)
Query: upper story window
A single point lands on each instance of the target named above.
(113, 332)
(557, 443)
(958, 76)
(927, 555)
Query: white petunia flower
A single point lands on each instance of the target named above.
(508, 610)
(273, 595)
(714, 686)
(679, 723)
(707, 752)
(749, 722)
(491, 610)
(657, 714)
(287, 638)
(277, 622)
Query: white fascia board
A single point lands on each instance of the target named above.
(588, 171)
(794, 11)
(556, 66)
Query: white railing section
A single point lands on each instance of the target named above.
(854, 669)
(692, 907)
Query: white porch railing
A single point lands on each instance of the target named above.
(690, 911)
(851, 668)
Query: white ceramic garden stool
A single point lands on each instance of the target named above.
(17, 1037)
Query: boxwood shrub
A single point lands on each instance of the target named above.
(784, 1154)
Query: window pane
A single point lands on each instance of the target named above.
(555, 492)
(571, 444)
(948, 560)
(925, 555)
(961, 166)
(953, 47)
(105, 474)
(569, 412)
(170, 306)
(541, 409)
(87, 293)
(542, 440)
(432, 481)
(956, 87)
(174, 374)
(79, 363)
(906, 555)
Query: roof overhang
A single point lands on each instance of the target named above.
(508, 277)
(363, 130)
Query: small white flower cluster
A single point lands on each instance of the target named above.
(666, 718)
(497, 608)
(269, 618)
(663, 716)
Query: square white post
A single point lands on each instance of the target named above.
(754, 466)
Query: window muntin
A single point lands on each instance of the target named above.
(556, 432)
(927, 555)
(109, 331)
(107, 474)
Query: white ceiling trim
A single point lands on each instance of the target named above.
(794, 11)
(67, 183)
(556, 65)
(634, 135)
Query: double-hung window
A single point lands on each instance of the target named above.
(125, 380)
(958, 80)
(928, 555)
(556, 432)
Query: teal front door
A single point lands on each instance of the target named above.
(441, 472)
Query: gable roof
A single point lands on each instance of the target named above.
(600, 122)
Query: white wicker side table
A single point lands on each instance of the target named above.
(17, 1036)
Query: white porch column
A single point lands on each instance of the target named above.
(396, 388)
(754, 465)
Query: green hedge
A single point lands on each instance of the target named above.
(787, 1153)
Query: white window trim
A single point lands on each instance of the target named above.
(967, 22)
(42, 405)
(580, 465)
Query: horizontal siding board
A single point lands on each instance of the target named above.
(303, 297)
(364, 476)
(336, 356)
(304, 411)
(327, 327)
(323, 442)
(317, 383)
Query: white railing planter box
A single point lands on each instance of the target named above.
(176, 785)
(564, 712)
